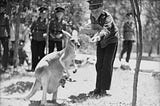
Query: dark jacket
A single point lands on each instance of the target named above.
(38, 28)
(4, 26)
(128, 31)
(55, 28)
(105, 20)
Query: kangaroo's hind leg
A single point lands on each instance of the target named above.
(54, 97)
(34, 89)
(45, 82)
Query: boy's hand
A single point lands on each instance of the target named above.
(95, 38)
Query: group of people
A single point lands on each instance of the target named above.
(107, 40)
(39, 34)
(4, 35)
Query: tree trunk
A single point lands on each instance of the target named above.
(17, 36)
(135, 7)
(158, 48)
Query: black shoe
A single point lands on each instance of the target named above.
(95, 92)
(104, 93)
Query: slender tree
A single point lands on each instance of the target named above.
(19, 10)
(136, 10)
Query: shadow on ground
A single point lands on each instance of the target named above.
(38, 103)
(18, 87)
(78, 99)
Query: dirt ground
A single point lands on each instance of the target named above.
(75, 92)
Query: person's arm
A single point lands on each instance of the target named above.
(64, 25)
(7, 27)
(106, 29)
(33, 26)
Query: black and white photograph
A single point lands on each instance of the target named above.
(79, 52)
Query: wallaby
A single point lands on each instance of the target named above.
(49, 71)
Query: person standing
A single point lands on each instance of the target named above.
(4, 36)
(38, 29)
(55, 30)
(107, 41)
(128, 38)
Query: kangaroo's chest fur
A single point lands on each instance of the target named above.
(68, 55)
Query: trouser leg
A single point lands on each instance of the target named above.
(129, 51)
(34, 50)
(5, 45)
(107, 69)
(41, 48)
(124, 49)
(59, 45)
(99, 65)
(51, 46)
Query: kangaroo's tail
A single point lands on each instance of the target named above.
(34, 89)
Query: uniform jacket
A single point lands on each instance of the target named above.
(38, 28)
(105, 20)
(55, 28)
(4, 26)
(128, 31)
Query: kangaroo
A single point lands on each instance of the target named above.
(49, 71)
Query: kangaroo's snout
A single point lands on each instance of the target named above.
(78, 45)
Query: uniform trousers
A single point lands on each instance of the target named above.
(37, 48)
(104, 65)
(52, 44)
(5, 44)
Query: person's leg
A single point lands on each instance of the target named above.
(51, 46)
(21, 56)
(41, 49)
(124, 49)
(59, 45)
(34, 51)
(129, 51)
(107, 68)
(99, 65)
(5, 45)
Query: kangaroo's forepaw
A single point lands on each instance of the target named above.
(75, 71)
(62, 82)
(70, 79)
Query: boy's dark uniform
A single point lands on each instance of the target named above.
(4, 36)
(55, 29)
(106, 48)
(38, 28)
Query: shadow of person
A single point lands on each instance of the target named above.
(49, 103)
(82, 97)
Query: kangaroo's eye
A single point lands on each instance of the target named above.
(73, 41)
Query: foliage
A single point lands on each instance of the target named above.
(152, 25)
(77, 14)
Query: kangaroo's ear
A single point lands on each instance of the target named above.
(67, 34)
